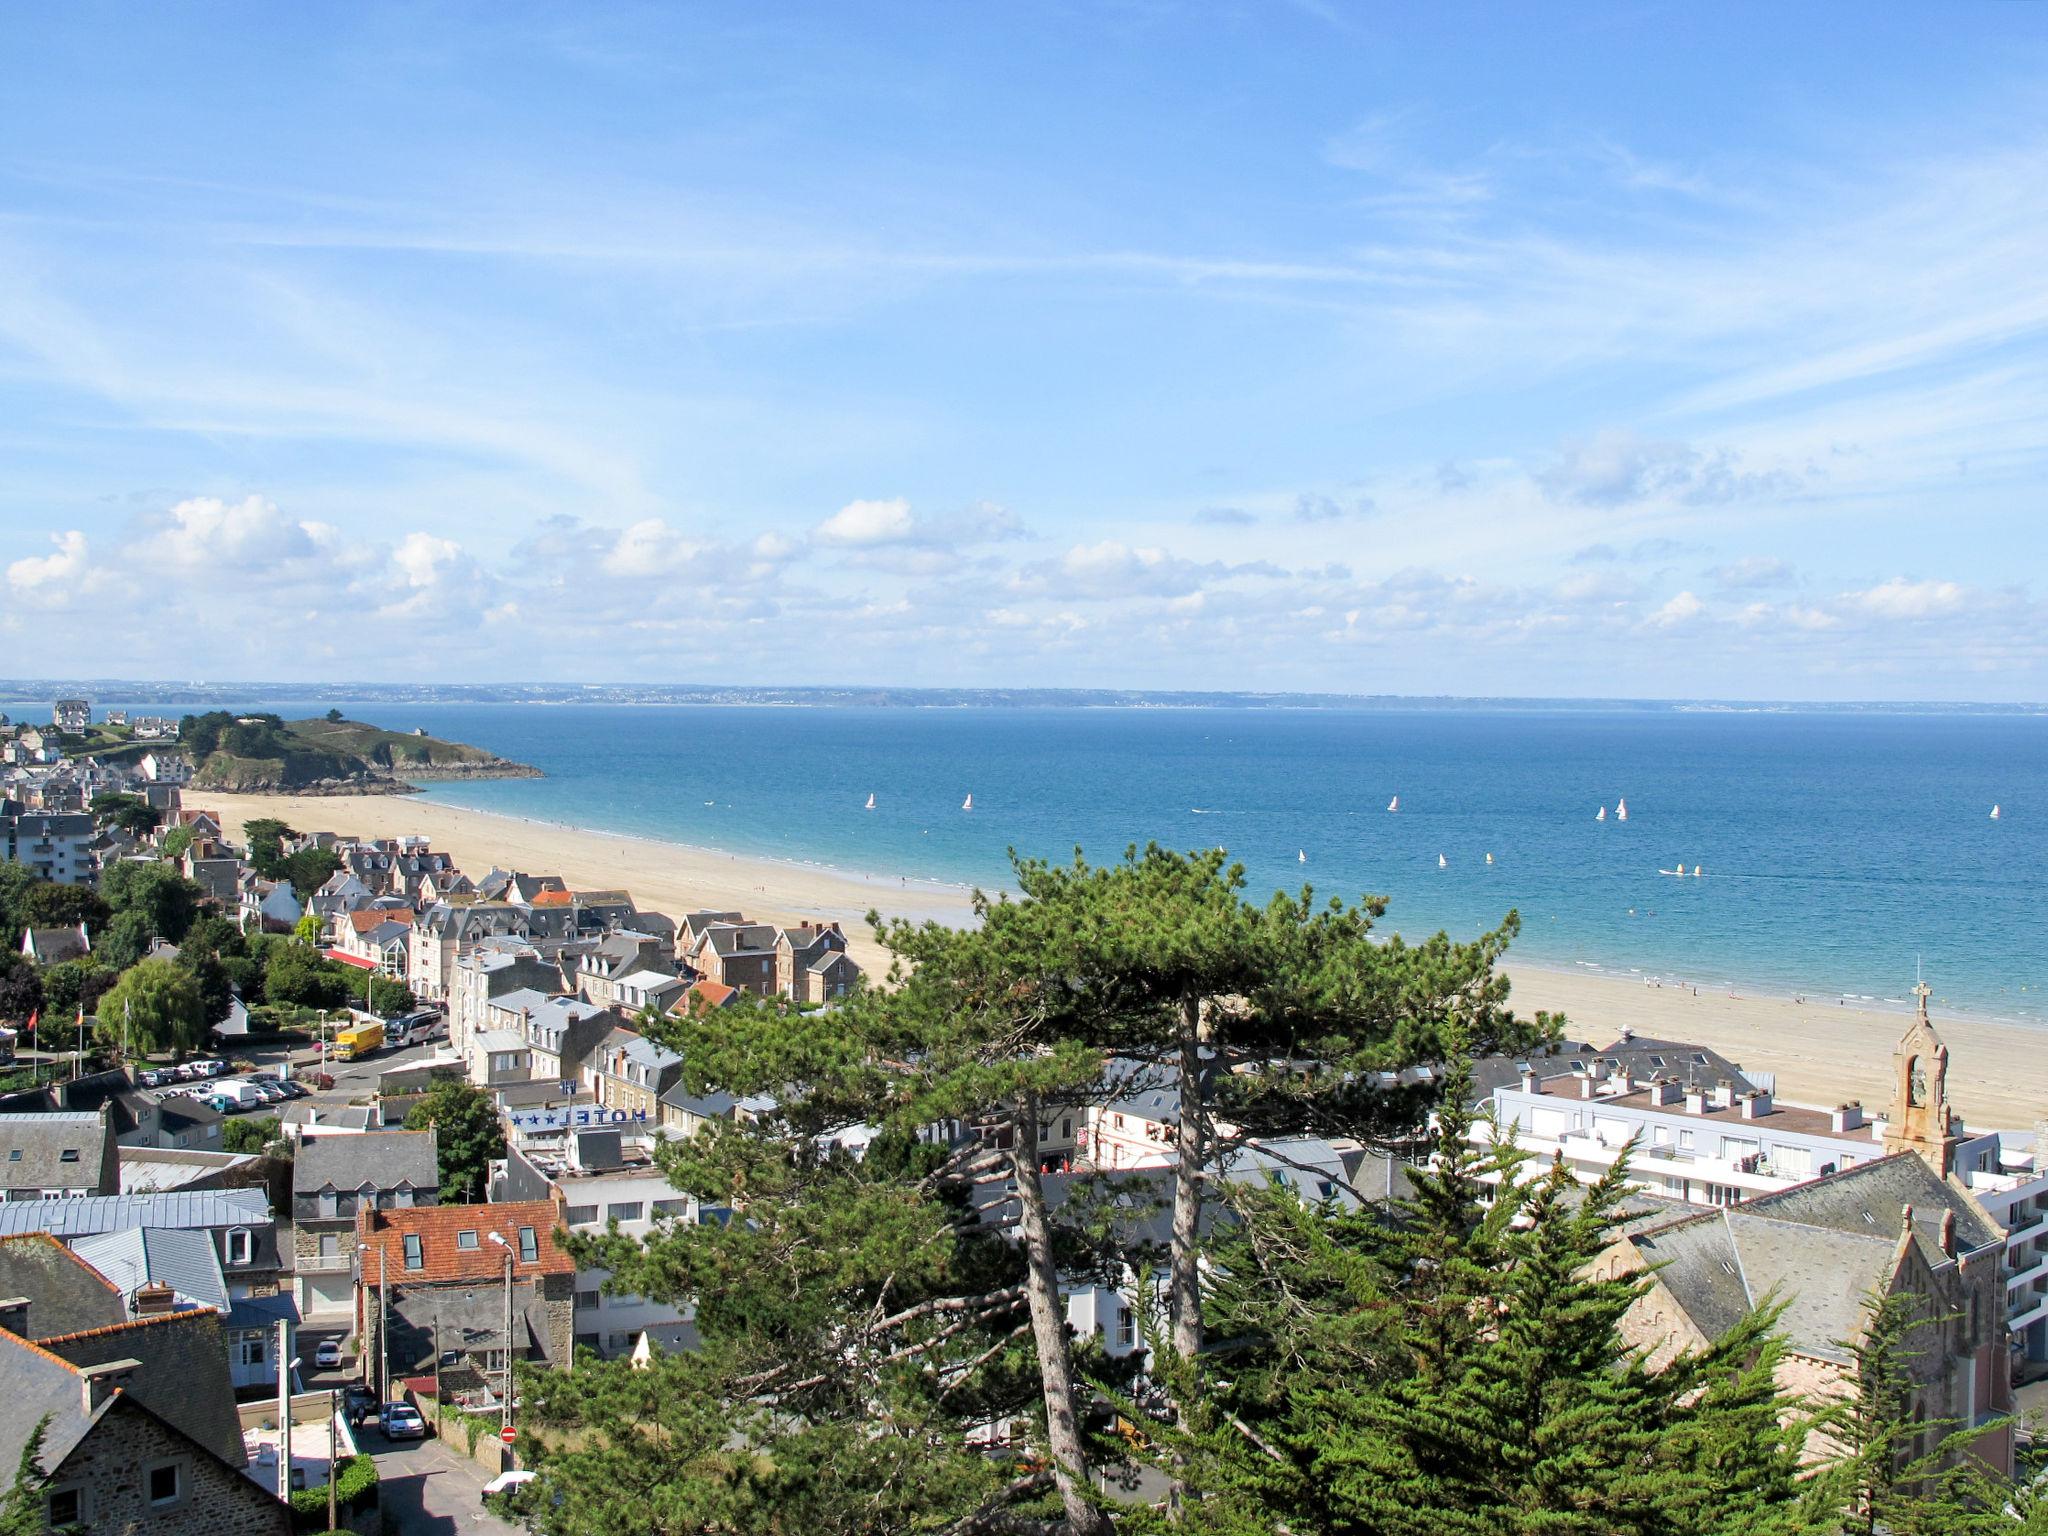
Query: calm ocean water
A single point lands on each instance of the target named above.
(1838, 847)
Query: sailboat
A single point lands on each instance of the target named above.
(1603, 814)
(871, 803)
(1442, 862)
(968, 803)
(1994, 813)
(1394, 804)
(1489, 858)
(1697, 871)
(1621, 810)
(1678, 871)
(1301, 854)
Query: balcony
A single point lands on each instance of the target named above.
(324, 1263)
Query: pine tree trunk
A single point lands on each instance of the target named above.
(1184, 1298)
(1049, 1331)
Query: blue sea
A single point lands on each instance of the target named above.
(1841, 849)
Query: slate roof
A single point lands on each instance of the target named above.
(111, 1213)
(64, 1292)
(1820, 1247)
(381, 1159)
(183, 1259)
(182, 1375)
(34, 1148)
(52, 946)
(1693, 1065)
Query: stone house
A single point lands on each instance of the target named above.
(141, 1433)
(811, 965)
(490, 969)
(58, 1154)
(559, 1032)
(439, 1276)
(334, 1179)
(238, 1223)
(739, 954)
(612, 958)
(630, 1072)
(442, 933)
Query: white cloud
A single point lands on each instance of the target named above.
(649, 548)
(33, 573)
(1903, 599)
(867, 523)
(422, 559)
(205, 532)
(1681, 609)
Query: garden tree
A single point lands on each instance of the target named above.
(258, 1135)
(73, 985)
(308, 869)
(15, 884)
(21, 1505)
(21, 986)
(131, 813)
(157, 1007)
(175, 842)
(466, 1134)
(296, 973)
(387, 996)
(857, 1320)
(213, 934)
(166, 898)
(308, 929)
(216, 986)
(334, 716)
(265, 836)
(48, 905)
(1459, 1370)
(124, 940)
(1160, 960)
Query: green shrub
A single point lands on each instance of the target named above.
(356, 1485)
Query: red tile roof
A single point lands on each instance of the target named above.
(444, 1260)
(551, 899)
(712, 994)
(364, 921)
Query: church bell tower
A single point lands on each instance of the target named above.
(1920, 1120)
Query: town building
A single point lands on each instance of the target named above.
(739, 954)
(334, 1178)
(811, 963)
(490, 969)
(238, 1223)
(445, 930)
(559, 1033)
(58, 1155)
(628, 1071)
(434, 1282)
(53, 946)
(51, 846)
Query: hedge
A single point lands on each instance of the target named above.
(356, 1485)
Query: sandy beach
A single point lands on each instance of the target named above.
(1821, 1052)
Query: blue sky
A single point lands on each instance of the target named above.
(1631, 349)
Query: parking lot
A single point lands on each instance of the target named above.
(352, 1079)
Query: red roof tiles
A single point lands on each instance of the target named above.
(444, 1259)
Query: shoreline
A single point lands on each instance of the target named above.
(1822, 1051)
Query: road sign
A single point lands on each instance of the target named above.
(508, 1434)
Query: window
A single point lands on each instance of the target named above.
(252, 1351)
(14, 1154)
(616, 1342)
(241, 1245)
(672, 1208)
(66, 1507)
(580, 1215)
(164, 1484)
(465, 1240)
(68, 1155)
(1067, 1128)
(1685, 1141)
(1126, 1328)
(529, 1249)
(415, 1252)
(625, 1210)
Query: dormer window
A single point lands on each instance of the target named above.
(241, 1246)
(68, 1155)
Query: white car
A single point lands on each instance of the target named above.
(327, 1353)
(505, 1482)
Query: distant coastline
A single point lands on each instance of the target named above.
(23, 693)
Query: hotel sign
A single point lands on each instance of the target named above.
(581, 1117)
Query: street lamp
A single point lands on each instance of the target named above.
(505, 1393)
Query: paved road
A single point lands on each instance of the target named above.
(429, 1490)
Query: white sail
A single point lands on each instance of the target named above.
(871, 803)
(1603, 814)
(1394, 804)
(1994, 813)
(1621, 810)
(1698, 870)
(1301, 854)
(968, 803)
(1489, 858)
(1442, 862)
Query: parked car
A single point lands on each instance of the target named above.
(293, 1090)
(327, 1354)
(209, 1068)
(184, 1071)
(271, 1092)
(402, 1421)
(506, 1482)
(148, 1077)
(219, 1103)
(358, 1401)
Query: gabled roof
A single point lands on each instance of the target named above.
(54, 1149)
(444, 1259)
(380, 1159)
(111, 1213)
(181, 1375)
(182, 1259)
(64, 1293)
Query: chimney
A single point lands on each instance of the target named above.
(153, 1300)
(101, 1382)
(1756, 1105)
(1724, 1094)
(1664, 1090)
(1846, 1117)
(1628, 1032)
(1587, 1083)
(1948, 1233)
(14, 1315)
(1529, 1079)
(1695, 1101)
